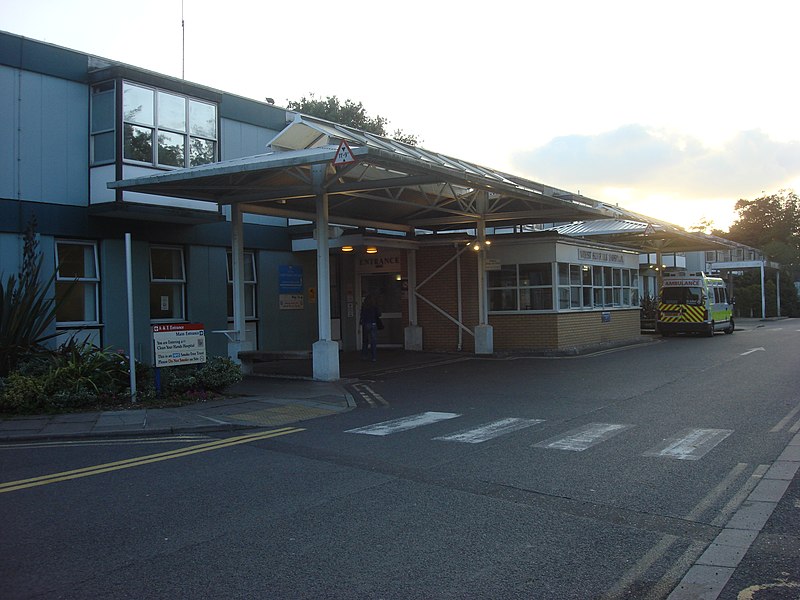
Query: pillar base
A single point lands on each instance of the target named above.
(233, 353)
(413, 337)
(325, 359)
(484, 339)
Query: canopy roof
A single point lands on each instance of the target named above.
(391, 185)
(645, 235)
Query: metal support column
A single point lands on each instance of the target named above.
(484, 337)
(325, 350)
(413, 332)
(763, 293)
(778, 285)
(237, 338)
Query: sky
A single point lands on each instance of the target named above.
(674, 110)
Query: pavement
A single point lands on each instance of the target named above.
(279, 393)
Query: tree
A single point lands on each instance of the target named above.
(772, 224)
(350, 113)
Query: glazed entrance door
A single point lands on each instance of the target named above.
(387, 289)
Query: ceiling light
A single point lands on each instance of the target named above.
(372, 250)
(347, 248)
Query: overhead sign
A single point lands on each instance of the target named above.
(344, 156)
(179, 344)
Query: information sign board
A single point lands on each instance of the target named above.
(179, 344)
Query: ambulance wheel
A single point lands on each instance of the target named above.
(731, 326)
(710, 331)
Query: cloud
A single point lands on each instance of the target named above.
(659, 161)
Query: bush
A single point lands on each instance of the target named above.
(79, 376)
(23, 394)
(215, 375)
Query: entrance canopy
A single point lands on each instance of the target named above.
(645, 235)
(391, 185)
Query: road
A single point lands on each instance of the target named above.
(604, 476)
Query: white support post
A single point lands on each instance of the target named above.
(131, 328)
(484, 337)
(763, 294)
(413, 332)
(778, 285)
(237, 342)
(325, 350)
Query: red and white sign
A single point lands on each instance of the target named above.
(179, 344)
(344, 156)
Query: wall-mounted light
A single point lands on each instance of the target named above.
(372, 250)
(347, 248)
(398, 277)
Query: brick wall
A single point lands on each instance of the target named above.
(438, 332)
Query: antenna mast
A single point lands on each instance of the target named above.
(183, 45)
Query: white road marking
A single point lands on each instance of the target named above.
(690, 444)
(489, 431)
(584, 437)
(782, 423)
(752, 350)
(179, 439)
(404, 423)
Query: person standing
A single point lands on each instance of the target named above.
(370, 314)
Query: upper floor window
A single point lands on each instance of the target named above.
(103, 147)
(77, 282)
(165, 129)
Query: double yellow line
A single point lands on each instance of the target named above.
(13, 486)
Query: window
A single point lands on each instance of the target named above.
(103, 148)
(585, 287)
(249, 285)
(166, 129)
(521, 287)
(77, 283)
(167, 284)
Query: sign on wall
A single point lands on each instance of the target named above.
(179, 344)
(290, 287)
(386, 262)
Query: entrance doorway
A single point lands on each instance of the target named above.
(387, 290)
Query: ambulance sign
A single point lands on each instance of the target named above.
(179, 344)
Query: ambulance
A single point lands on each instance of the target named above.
(694, 303)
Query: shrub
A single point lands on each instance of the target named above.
(26, 309)
(215, 375)
(23, 394)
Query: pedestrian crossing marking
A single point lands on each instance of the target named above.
(690, 444)
(489, 431)
(404, 423)
(583, 438)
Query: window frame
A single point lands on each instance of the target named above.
(181, 281)
(517, 289)
(251, 284)
(94, 282)
(156, 128)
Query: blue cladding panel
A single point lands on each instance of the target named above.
(8, 132)
(54, 141)
(241, 139)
